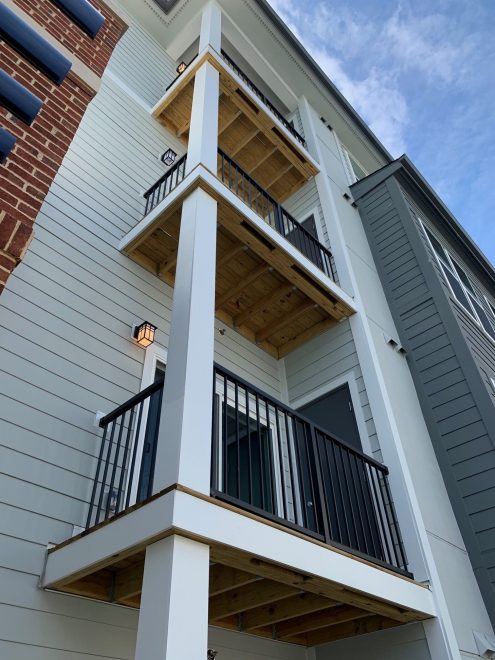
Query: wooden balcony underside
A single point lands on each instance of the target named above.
(260, 290)
(247, 132)
(255, 596)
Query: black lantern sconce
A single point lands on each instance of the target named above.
(144, 334)
(168, 158)
(181, 68)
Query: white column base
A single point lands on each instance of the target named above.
(173, 618)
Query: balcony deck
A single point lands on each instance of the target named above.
(276, 292)
(251, 130)
(304, 543)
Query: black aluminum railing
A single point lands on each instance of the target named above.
(270, 460)
(264, 205)
(165, 184)
(266, 458)
(240, 73)
(126, 456)
(180, 74)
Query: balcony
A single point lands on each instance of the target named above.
(275, 281)
(272, 472)
(266, 459)
(250, 128)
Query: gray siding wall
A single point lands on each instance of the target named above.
(65, 323)
(448, 383)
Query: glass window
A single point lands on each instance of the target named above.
(461, 285)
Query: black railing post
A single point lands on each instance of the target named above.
(320, 486)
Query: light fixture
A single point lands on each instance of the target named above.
(212, 654)
(181, 68)
(144, 334)
(169, 157)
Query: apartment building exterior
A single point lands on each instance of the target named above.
(216, 436)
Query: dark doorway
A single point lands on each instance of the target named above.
(334, 413)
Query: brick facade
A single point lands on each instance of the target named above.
(26, 176)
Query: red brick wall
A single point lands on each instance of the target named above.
(26, 176)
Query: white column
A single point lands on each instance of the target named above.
(439, 631)
(184, 441)
(211, 27)
(203, 131)
(173, 617)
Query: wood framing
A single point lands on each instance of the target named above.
(261, 291)
(247, 129)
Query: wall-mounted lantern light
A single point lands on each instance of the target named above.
(181, 68)
(144, 334)
(169, 157)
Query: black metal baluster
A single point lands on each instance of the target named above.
(95, 483)
(134, 453)
(380, 504)
(124, 459)
(104, 478)
(115, 465)
(281, 464)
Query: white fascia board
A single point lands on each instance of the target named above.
(199, 518)
(142, 525)
(212, 182)
(221, 525)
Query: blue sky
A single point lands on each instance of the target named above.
(422, 74)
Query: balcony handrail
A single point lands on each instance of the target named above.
(274, 214)
(263, 98)
(180, 74)
(165, 184)
(345, 503)
(130, 403)
(312, 481)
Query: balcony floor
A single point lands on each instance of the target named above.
(247, 131)
(261, 291)
(250, 594)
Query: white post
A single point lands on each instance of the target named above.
(211, 27)
(173, 617)
(184, 441)
(203, 131)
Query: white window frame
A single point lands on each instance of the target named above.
(346, 161)
(154, 354)
(273, 430)
(451, 266)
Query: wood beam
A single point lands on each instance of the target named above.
(322, 619)
(228, 122)
(267, 155)
(231, 254)
(305, 336)
(247, 597)
(280, 323)
(128, 582)
(182, 128)
(167, 265)
(245, 141)
(349, 629)
(241, 285)
(312, 584)
(285, 609)
(280, 173)
(265, 301)
(225, 578)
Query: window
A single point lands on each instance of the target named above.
(353, 169)
(460, 285)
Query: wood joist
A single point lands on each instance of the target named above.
(261, 292)
(257, 597)
(247, 132)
